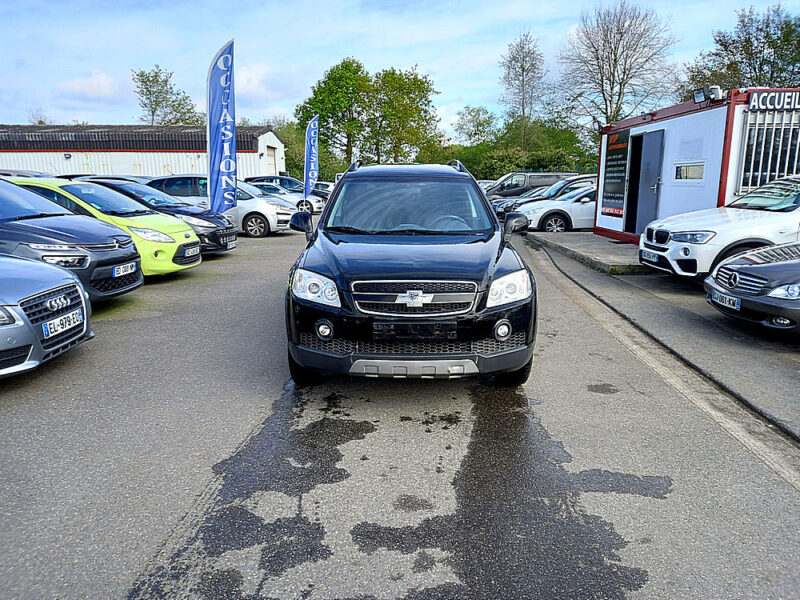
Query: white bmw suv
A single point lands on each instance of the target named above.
(692, 244)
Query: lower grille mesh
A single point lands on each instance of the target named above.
(406, 347)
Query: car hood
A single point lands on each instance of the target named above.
(715, 219)
(69, 229)
(193, 211)
(347, 258)
(159, 222)
(779, 265)
(20, 278)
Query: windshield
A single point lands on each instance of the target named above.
(19, 203)
(571, 195)
(778, 196)
(554, 189)
(105, 200)
(148, 195)
(409, 205)
(292, 185)
(251, 189)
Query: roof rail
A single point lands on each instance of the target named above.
(456, 164)
(354, 166)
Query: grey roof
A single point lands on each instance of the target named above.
(64, 138)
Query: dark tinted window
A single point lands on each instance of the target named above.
(180, 186)
(59, 199)
(291, 184)
(147, 195)
(105, 200)
(202, 187)
(18, 202)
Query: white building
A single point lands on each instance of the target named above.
(132, 149)
(694, 155)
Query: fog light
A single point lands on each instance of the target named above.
(685, 251)
(502, 330)
(781, 321)
(324, 330)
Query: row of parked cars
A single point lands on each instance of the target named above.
(68, 242)
(745, 254)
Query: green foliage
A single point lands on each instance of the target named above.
(161, 102)
(475, 125)
(341, 99)
(500, 161)
(761, 51)
(293, 135)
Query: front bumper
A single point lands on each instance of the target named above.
(161, 258)
(221, 239)
(281, 221)
(670, 257)
(23, 346)
(355, 349)
(756, 309)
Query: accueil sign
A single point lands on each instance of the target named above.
(774, 101)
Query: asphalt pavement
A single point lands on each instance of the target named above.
(172, 457)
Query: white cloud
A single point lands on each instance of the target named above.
(98, 87)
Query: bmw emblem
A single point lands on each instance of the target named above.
(58, 303)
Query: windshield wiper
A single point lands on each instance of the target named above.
(347, 229)
(39, 216)
(412, 231)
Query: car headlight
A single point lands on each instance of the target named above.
(275, 205)
(51, 247)
(316, 288)
(6, 318)
(195, 222)
(509, 288)
(790, 292)
(151, 235)
(693, 237)
(68, 261)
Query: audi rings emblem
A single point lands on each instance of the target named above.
(58, 303)
(733, 280)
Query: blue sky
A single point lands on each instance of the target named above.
(72, 59)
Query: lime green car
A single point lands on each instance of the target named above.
(166, 244)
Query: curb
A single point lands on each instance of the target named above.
(767, 417)
(593, 263)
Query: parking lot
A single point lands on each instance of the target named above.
(172, 457)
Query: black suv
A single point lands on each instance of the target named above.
(102, 256)
(409, 274)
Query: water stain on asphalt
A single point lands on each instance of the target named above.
(605, 389)
(518, 530)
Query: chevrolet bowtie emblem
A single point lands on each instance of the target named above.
(414, 298)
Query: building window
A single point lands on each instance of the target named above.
(689, 172)
(770, 148)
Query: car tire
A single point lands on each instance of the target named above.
(305, 205)
(301, 376)
(256, 225)
(555, 224)
(514, 378)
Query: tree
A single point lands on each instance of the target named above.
(161, 102)
(475, 125)
(37, 117)
(401, 118)
(340, 100)
(761, 51)
(523, 70)
(615, 63)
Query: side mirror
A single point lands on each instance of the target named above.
(515, 222)
(301, 221)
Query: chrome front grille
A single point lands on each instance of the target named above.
(740, 282)
(412, 347)
(119, 244)
(414, 298)
(37, 311)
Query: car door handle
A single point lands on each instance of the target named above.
(654, 187)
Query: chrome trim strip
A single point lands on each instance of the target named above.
(411, 282)
(424, 369)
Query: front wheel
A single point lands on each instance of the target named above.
(305, 205)
(256, 226)
(555, 224)
(514, 378)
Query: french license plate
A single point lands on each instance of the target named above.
(68, 321)
(194, 251)
(649, 256)
(233, 244)
(413, 331)
(726, 301)
(125, 269)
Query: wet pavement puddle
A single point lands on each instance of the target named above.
(351, 490)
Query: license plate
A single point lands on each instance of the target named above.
(233, 244)
(64, 323)
(414, 331)
(726, 301)
(194, 251)
(649, 256)
(124, 269)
